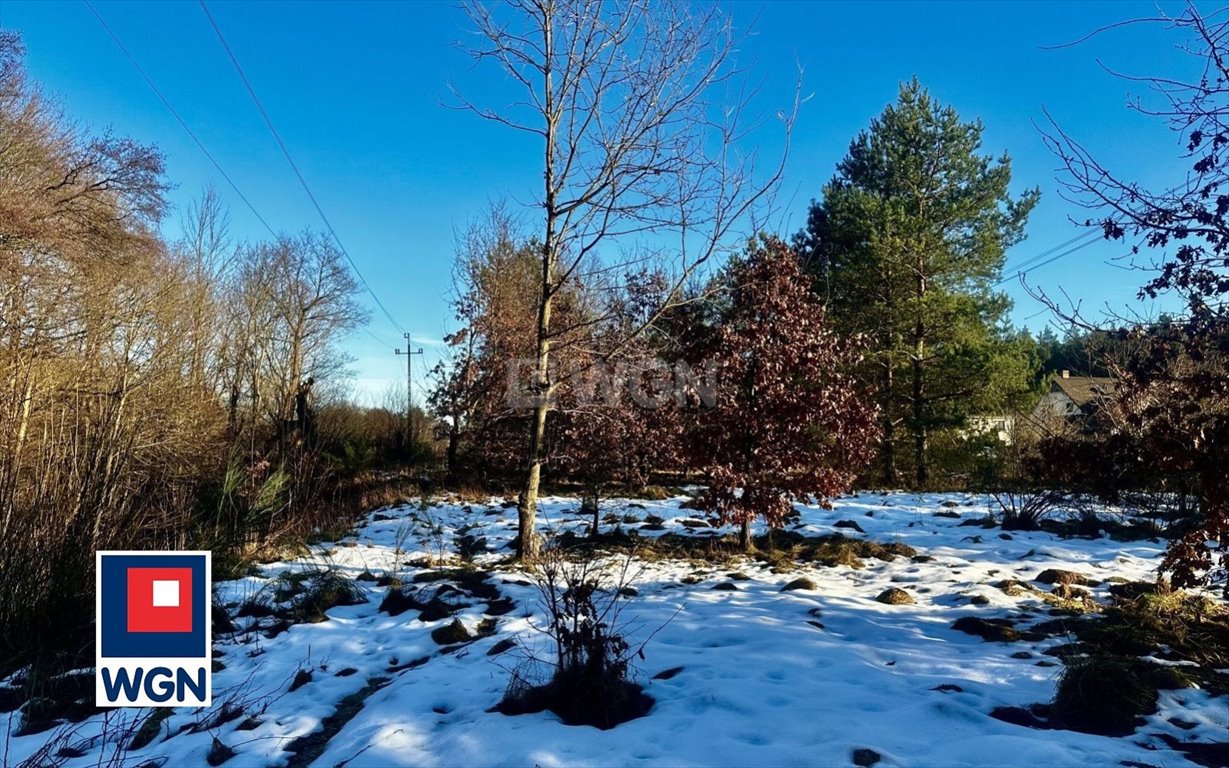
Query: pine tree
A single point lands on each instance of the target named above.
(906, 245)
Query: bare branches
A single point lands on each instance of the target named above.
(1102, 30)
(1167, 416)
(645, 110)
(1185, 222)
(640, 108)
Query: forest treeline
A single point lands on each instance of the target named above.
(154, 394)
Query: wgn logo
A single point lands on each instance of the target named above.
(153, 639)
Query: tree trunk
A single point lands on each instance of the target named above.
(527, 510)
(922, 471)
(454, 435)
(920, 439)
(232, 409)
(744, 534)
(887, 449)
(527, 540)
(526, 513)
(593, 502)
(27, 397)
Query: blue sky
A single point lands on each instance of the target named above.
(356, 90)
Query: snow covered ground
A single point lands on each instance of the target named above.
(760, 676)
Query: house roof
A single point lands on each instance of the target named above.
(1084, 389)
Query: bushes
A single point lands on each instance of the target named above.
(1108, 694)
(958, 458)
(157, 395)
(303, 596)
(1012, 474)
(1109, 690)
(1024, 510)
(357, 438)
(324, 590)
(789, 421)
(590, 679)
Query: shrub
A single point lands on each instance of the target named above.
(308, 594)
(219, 753)
(1104, 695)
(324, 590)
(654, 493)
(789, 421)
(450, 634)
(590, 682)
(1024, 510)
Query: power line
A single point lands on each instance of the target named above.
(166, 103)
(1086, 234)
(183, 124)
(294, 166)
(1039, 260)
(377, 338)
(1032, 260)
(1037, 265)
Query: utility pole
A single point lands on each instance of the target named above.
(409, 386)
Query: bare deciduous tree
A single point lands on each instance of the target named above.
(1169, 415)
(639, 107)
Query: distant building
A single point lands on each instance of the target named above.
(1070, 399)
(1072, 396)
(1001, 426)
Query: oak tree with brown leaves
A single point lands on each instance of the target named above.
(789, 422)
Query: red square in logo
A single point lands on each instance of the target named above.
(159, 599)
